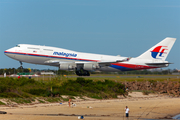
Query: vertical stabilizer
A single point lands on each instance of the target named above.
(160, 51)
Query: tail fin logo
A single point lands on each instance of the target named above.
(158, 51)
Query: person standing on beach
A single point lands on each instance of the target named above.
(127, 112)
(69, 102)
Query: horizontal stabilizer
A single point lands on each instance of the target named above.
(158, 63)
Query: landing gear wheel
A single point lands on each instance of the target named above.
(78, 73)
(82, 72)
(86, 73)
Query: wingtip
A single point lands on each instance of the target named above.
(171, 38)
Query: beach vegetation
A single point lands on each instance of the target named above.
(41, 101)
(52, 99)
(146, 92)
(24, 89)
(65, 99)
(1, 103)
(21, 100)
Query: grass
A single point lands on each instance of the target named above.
(21, 100)
(146, 92)
(65, 99)
(96, 96)
(50, 99)
(1, 103)
(41, 101)
(115, 77)
(124, 78)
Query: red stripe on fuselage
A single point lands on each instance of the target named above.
(40, 55)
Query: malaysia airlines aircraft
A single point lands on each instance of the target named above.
(82, 63)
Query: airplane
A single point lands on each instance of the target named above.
(83, 63)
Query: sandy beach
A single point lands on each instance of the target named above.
(151, 106)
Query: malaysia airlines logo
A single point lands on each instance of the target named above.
(65, 54)
(158, 52)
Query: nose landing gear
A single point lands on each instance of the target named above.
(21, 67)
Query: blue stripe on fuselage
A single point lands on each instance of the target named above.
(121, 68)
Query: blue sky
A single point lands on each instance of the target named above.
(127, 28)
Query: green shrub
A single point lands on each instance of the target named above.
(146, 92)
(95, 96)
(37, 91)
(10, 95)
(50, 99)
(41, 101)
(27, 88)
(1, 103)
(21, 100)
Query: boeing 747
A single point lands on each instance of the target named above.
(82, 63)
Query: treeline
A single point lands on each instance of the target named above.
(10, 71)
(28, 88)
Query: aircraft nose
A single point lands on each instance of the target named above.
(8, 52)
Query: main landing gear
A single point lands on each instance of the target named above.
(21, 67)
(82, 72)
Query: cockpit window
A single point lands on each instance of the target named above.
(17, 45)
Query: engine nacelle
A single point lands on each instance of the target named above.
(91, 66)
(67, 66)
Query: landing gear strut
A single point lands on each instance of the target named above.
(21, 67)
(82, 72)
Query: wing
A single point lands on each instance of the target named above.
(104, 63)
(108, 63)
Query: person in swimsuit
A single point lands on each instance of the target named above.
(69, 102)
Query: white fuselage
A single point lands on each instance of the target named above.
(37, 54)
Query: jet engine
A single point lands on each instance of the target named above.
(67, 66)
(91, 66)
